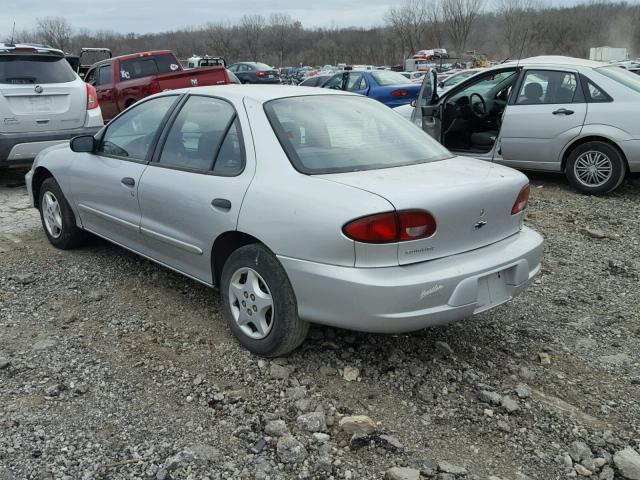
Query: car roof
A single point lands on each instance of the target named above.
(259, 93)
(554, 60)
(36, 48)
(131, 56)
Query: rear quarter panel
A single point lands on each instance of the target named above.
(296, 215)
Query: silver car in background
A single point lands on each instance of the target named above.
(302, 205)
(555, 114)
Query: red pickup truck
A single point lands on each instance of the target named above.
(122, 81)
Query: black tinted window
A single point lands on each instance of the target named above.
(147, 66)
(35, 69)
(131, 135)
(197, 133)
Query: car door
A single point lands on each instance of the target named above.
(427, 110)
(357, 83)
(193, 189)
(104, 184)
(543, 115)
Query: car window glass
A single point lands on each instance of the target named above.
(487, 86)
(347, 133)
(595, 94)
(233, 68)
(547, 87)
(92, 77)
(105, 75)
(620, 75)
(131, 134)
(335, 82)
(35, 69)
(230, 159)
(197, 133)
(353, 82)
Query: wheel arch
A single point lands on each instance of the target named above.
(39, 176)
(224, 245)
(591, 138)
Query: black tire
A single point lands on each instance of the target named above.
(287, 331)
(70, 235)
(617, 164)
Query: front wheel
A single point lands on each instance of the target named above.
(259, 303)
(57, 218)
(595, 168)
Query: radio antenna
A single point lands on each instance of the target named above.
(13, 31)
(524, 39)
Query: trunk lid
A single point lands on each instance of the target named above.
(471, 201)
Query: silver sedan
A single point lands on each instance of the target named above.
(300, 205)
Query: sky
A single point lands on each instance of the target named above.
(144, 16)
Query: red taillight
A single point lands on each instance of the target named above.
(154, 87)
(521, 201)
(92, 97)
(391, 227)
(260, 73)
(399, 93)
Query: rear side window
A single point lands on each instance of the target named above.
(147, 66)
(593, 93)
(34, 69)
(542, 87)
(204, 137)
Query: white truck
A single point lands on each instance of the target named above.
(608, 54)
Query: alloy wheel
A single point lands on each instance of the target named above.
(251, 303)
(52, 214)
(593, 168)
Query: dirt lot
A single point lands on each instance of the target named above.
(112, 367)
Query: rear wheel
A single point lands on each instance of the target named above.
(259, 303)
(57, 218)
(595, 168)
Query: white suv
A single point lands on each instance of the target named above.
(43, 102)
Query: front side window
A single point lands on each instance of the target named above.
(543, 87)
(346, 134)
(334, 82)
(131, 135)
(203, 131)
(35, 69)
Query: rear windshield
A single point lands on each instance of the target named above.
(148, 66)
(262, 66)
(340, 133)
(35, 69)
(622, 76)
(384, 78)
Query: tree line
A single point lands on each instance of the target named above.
(505, 29)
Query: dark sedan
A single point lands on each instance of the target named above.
(255, 72)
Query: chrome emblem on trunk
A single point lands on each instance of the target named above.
(480, 224)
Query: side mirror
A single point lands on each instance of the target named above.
(413, 103)
(441, 84)
(83, 144)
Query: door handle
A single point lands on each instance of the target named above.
(563, 111)
(221, 203)
(128, 181)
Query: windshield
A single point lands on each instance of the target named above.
(384, 78)
(35, 69)
(339, 133)
(622, 76)
(457, 78)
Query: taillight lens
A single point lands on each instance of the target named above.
(399, 93)
(92, 97)
(391, 227)
(260, 73)
(154, 87)
(522, 201)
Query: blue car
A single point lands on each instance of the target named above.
(386, 86)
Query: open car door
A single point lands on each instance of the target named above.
(426, 113)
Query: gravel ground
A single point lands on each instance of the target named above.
(112, 367)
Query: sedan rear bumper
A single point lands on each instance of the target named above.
(412, 297)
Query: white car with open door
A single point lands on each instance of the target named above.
(556, 114)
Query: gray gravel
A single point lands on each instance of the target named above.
(114, 368)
